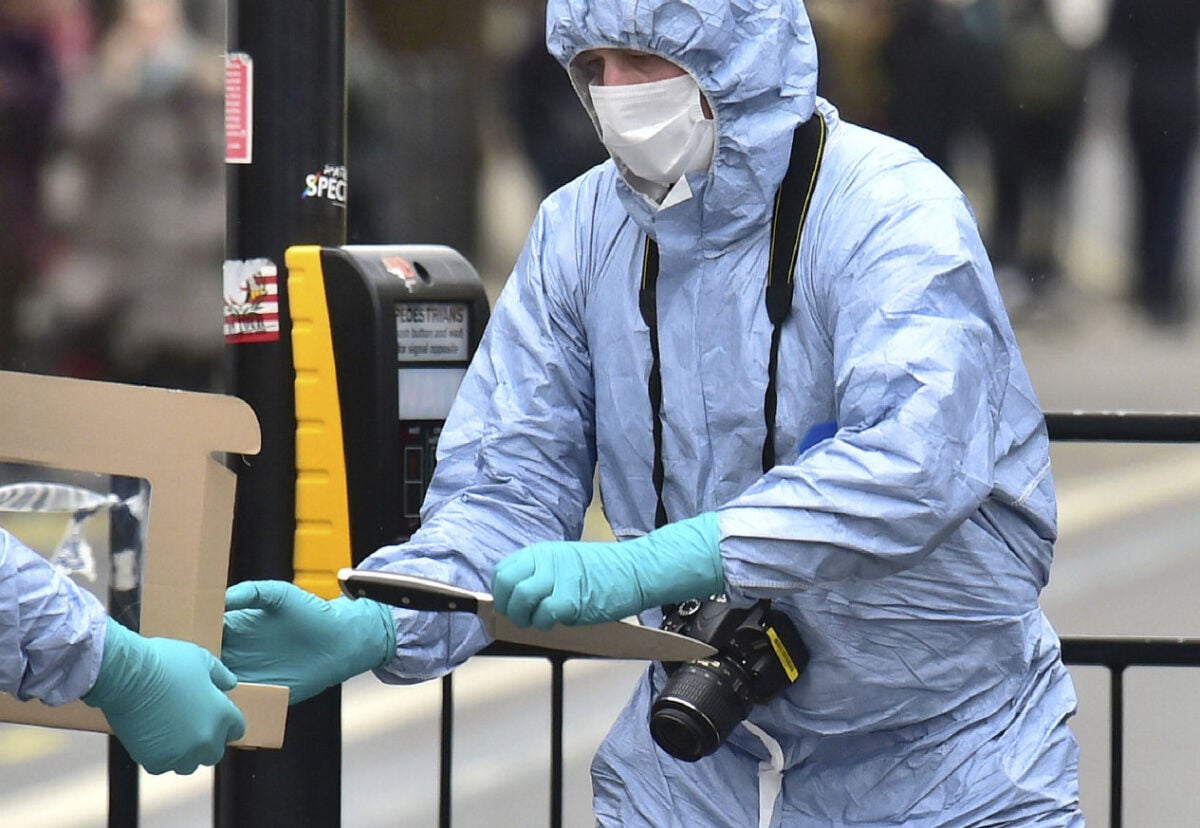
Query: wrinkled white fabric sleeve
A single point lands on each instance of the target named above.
(516, 457)
(51, 632)
(920, 371)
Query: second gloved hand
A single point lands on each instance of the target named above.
(163, 699)
(277, 633)
(579, 582)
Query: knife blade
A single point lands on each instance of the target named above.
(615, 639)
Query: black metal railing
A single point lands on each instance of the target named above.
(1114, 653)
(557, 660)
(1123, 427)
(1117, 654)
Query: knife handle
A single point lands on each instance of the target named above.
(400, 592)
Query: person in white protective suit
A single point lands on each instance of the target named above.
(163, 698)
(906, 519)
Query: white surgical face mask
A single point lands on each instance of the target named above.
(657, 129)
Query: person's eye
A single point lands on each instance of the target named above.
(592, 67)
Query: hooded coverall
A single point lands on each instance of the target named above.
(909, 549)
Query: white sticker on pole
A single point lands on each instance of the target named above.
(251, 301)
(239, 108)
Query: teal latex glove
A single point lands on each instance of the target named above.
(579, 582)
(163, 699)
(277, 633)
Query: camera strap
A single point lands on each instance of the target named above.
(787, 222)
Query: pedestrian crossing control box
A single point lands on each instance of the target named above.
(381, 339)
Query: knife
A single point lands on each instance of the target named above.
(616, 639)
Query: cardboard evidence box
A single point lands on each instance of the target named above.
(175, 440)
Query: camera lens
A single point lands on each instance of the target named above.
(700, 705)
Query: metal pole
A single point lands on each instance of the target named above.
(446, 766)
(125, 538)
(1117, 747)
(291, 106)
(557, 704)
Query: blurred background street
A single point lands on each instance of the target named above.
(459, 125)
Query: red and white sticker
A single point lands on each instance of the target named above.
(400, 267)
(251, 301)
(239, 108)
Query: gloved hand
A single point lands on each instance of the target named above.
(164, 701)
(277, 633)
(578, 582)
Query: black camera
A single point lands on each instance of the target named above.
(759, 653)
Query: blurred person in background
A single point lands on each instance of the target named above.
(1160, 39)
(415, 76)
(853, 34)
(380, 206)
(1035, 126)
(163, 698)
(922, 58)
(30, 86)
(411, 139)
(942, 63)
(138, 183)
(923, 71)
(555, 132)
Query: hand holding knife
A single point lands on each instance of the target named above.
(618, 639)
